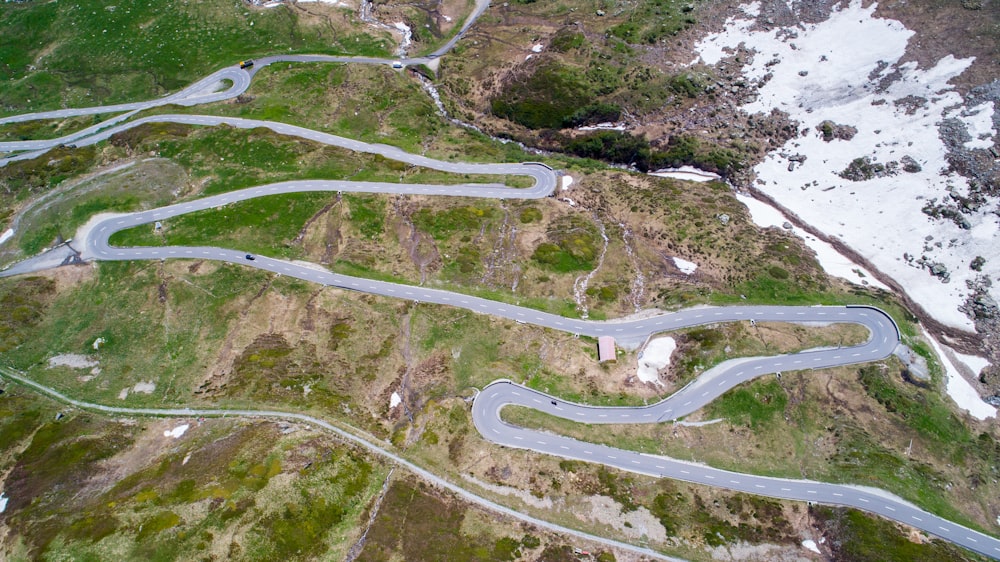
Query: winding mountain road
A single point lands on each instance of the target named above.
(488, 405)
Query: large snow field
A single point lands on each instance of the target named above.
(832, 71)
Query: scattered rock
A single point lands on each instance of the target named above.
(831, 130)
(911, 104)
(977, 263)
(915, 367)
(865, 168)
(910, 165)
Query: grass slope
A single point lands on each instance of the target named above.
(99, 52)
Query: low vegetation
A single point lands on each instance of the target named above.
(58, 54)
(855, 536)
(87, 487)
(419, 523)
(914, 447)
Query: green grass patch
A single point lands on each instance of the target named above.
(549, 95)
(24, 302)
(24, 179)
(654, 21)
(235, 158)
(414, 521)
(147, 184)
(755, 405)
(858, 537)
(42, 129)
(442, 224)
(923, 411)
(103, 51)
(266, 225)
(574, 244)
(144, 340)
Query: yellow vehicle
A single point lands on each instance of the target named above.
(246, 63)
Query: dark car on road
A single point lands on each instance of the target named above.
(250, 257)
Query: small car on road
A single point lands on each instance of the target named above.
(250, 257)
(246, 63)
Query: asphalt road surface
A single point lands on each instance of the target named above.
(232, 81)
(487, 407)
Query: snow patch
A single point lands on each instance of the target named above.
(979, 123)
(394, 400)
(602, 127)
(686, 267)
(687, 173)
(3, 503)
(72, 360)
(97, 343)
(832, 261)
(566, 182)
(810, 544)
(975, 363)
(144, 387)
(821, 72)
(537, 48)
(6, 235)
(655, 356)
(177, 431)
(959, 389)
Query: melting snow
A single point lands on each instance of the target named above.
(6, 235)
(567, 181)
(177, 431)
(979, 122)
(144, 387)
(686, 267)
(655, 356)
(821, 72)
(537, 48)
(73, 360)
(394, 400)
(832, 261)
(810, 544)
(960, 390)
(689, 173)
(974, 363)
(3, 503)
(602, 127)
